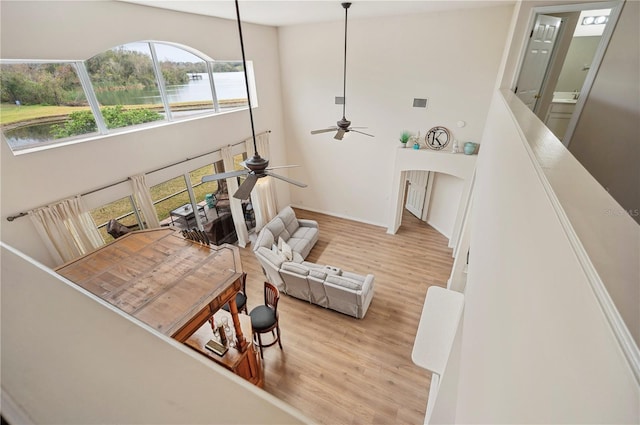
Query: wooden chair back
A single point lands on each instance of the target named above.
(271, 296)
(196, 235)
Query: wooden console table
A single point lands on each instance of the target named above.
(168, 282)
(245, 364)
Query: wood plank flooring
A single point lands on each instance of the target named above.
(336, 369)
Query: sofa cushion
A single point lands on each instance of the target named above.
(289, 220)
(345, 282)
(274, 257)
(265, 239)
(293, 267)
(318, 274)
(297, 258)
(298, 245)
(303, 240)
(305, 233)
(276, 227)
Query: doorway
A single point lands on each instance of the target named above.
(564, 51)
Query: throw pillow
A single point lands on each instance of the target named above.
(286, 250)
(275, 258)
(280, 242)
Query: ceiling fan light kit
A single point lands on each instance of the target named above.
(256, 167)
(343, 126)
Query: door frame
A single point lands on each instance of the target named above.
(616, 8)
(412, 177)
(551, 57)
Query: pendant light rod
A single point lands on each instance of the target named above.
(246, 79)
(344, 73)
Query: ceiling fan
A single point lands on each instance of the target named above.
(344, 125)
(255, 167)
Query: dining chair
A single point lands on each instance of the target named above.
(241, 297)
(264, 318)
(196, 235)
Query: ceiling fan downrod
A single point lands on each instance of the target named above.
(344, 73)
(256, 156)
(255, 167)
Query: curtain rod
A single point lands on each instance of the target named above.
(22, 214)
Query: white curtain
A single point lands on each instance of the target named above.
(144, 201)
(67, 229)
(236, 204)
(263, 196)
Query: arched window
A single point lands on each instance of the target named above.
(135, 84)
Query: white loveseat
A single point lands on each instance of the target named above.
(326, 286)
(300, 235)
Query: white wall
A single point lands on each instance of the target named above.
(541, 341)
(311, 76)
(601, 224)
(32, 30)
(449, 57)
(536, 346)
(68, 357)
(606, 137)
(445, 200)
(580, 53)
(612, 109)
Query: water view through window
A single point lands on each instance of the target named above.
(125, 91)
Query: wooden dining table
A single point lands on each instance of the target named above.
(170, 283)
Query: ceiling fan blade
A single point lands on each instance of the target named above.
(366, 134)
(281, 166)
(244, 191)
(326, 130)
(288, 180)
(221, 176)
(340, 134)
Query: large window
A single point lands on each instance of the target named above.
(171, 196)
(121, 210)
(38, 101)
(168, 196)
(125, 85)
(187, 80)
(136, 84)
(201, 190)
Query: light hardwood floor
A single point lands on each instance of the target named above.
(336, 369)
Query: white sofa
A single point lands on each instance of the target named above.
(326, 286)
(300, 235)
(329, 287)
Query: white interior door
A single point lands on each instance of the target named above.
(536, 60)
(416, 192)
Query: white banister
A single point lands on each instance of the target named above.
(439, 322)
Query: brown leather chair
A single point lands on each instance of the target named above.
(223, 204)
(221, 230)
(117, 229)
